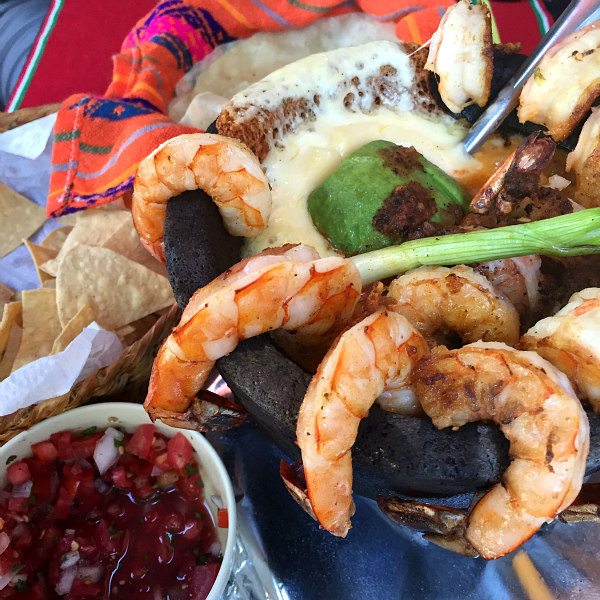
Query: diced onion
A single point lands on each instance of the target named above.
(557, 182)
(4, 541)
(5, 579)
(70, 531)
(155, 471)
(91, 574)
(23, 490)
(215, 548)
(69, 559)
(65, 583)
(106, 453)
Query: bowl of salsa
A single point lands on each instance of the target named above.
(99, 502)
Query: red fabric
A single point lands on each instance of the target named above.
(77, 57)
(517, 23)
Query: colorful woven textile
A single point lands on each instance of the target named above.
(98, 141)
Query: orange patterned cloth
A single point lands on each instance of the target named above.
(99, 141)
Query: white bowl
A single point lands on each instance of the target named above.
(128, 417)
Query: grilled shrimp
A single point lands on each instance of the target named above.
(460, 53)
(222, 167)
(570, 340)
(585, 162)
(378, 352)
(518, 279)
(439, 300)
(536, 409)
(565, 84)
(518, 176)
(289, 288)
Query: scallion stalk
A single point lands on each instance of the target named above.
(574, 234)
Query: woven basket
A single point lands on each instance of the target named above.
(131, 370)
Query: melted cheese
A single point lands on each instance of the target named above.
(316, 148)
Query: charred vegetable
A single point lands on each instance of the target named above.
(379, 194)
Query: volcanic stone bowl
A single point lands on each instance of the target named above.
(393, 453)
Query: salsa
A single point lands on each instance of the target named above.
(107, 514)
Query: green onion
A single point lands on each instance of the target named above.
(574, 234)
(88, 432)
(11, 458)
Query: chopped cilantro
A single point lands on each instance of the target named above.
(190, 470)
(11, 458)
(63, 558)
(21, 585)
(32, 498)
(199, 515)
(202, 559)
(118, 443)
(88, 432)
(17, 567)
(112, 530)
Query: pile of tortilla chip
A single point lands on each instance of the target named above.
(94, 269)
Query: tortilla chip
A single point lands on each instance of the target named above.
(126, 241)
(12, 347)
(40, 325)
(118, 290)
(40, 255)
(55, 239)
(92, 228)
(81, 319)
(11, 316)
(6, 295)
(19, 218)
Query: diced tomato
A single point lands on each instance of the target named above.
(222, 518)
(84, 448)
(18, 473)
(193, 530)
(81, 589)
(203, 578)
(173, 522)
(62, 440)
(179, 451)
(20, 505)
(140, 443)
(119, 477)
(64, 502)
(191, 487)
(45, 452)
(21, 536)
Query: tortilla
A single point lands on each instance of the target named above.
(126, 241)
(19, 218)
(55, 239)
(12, 347)
(40, 325)
(6, 295)
(92, 228)
(40, 255)
(11, 316)
(82, 318)
(118, 290)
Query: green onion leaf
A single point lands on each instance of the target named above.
(574, 234)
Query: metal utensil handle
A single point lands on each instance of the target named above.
(576, 13)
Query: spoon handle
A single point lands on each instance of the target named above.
(575, 14)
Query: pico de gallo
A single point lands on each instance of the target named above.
(107, 514)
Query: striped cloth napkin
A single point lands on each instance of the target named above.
(99, 140)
